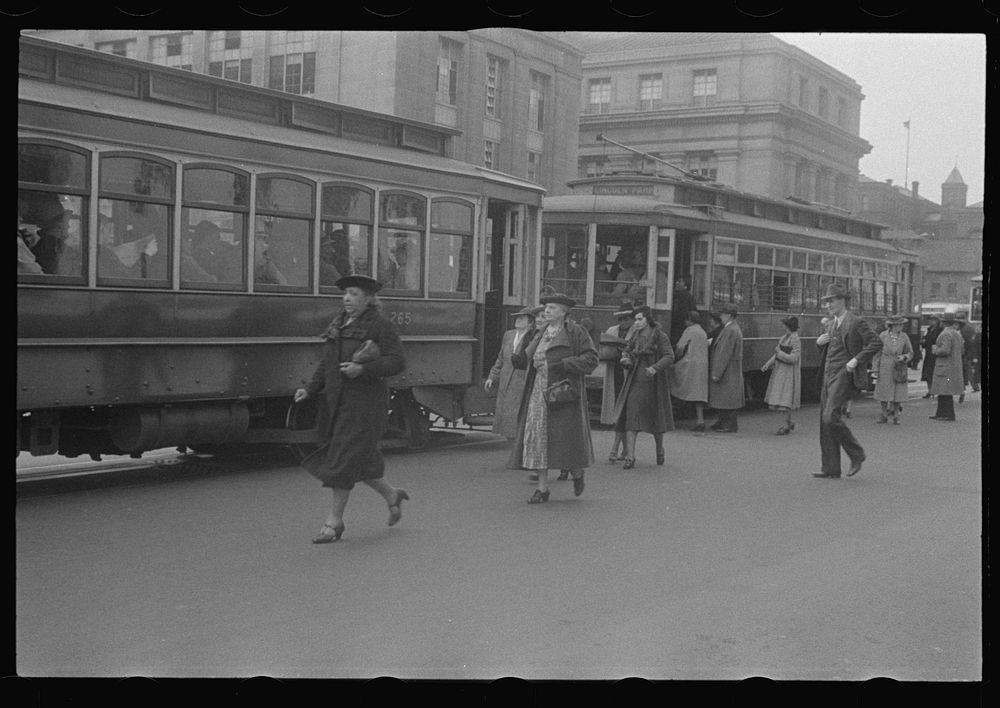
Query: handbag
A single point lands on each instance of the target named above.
(368, 351)
(560, 393)
(899, 372)
(610, 348)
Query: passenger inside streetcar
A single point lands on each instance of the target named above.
(265, 270)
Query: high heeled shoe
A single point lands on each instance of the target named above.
(539, 497)
(661, 457)
(629, 463)
(578, 485)
(396, 510)
(329, 534)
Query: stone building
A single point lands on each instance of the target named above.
(749, 111)
(511, 95)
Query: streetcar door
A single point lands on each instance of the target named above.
(503, 246)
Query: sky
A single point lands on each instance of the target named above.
(935, 81)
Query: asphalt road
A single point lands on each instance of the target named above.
(729, 561)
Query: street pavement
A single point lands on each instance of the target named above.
(729, 561)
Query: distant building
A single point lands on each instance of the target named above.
(513, 94)
(746, 110)
(948, 236)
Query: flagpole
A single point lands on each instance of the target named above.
(906, 174)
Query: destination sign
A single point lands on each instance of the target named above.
(638, 190)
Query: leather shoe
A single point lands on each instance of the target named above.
(826, 475)
(578, 485)
(855, 467)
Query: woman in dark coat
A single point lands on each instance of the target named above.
(930, 339)
(352, 376)
(644, 402)
(556, 436)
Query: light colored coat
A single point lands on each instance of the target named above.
(886, 389)
(784, 390)
(689, 374)
(509, 384)
(727, 366)
(948, 379)
(614, 379)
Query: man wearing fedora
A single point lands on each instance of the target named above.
(725, 387)
(948, 376)
(850, 346)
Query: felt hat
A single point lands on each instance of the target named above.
(369, 285)
(948, 317)
(834, 290)
(529, 310)
(559, 299)
(626, 309)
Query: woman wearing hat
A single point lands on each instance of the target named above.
(552, 421)
(934, 329)
(508, 381)
(891, 366)
(614, 375)
(784, 390)
(948, 378)
(689, 374)
(644, 402)
(361, 349)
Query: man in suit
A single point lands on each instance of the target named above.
(850, 346)
(725, 388)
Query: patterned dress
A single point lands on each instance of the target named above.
(536, 436)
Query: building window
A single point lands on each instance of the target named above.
(213, 220)
(534, 166)
(345, 236)
(230, 55)
(172, 50)
(840, 192)
(824, 103)
(952, 290)
(599, 96)
(121, 48)
(705, 84)
(491, 154)
(704, 164)
(283, 233)
(650, 92)
(449, 254)
(935, 289)
(447, 71)
(841, 112)
(803, 92)
(134, 221)
(292, 61)
(536, 101)
(53, 191)
(495, 73)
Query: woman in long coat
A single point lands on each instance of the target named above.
(357, 402)
(509, 382)
(689, 373)
(643, 405)
(556, 436)
(896, 350)
(784, 390)
(930, 339)
(614, 376)
(948, 380)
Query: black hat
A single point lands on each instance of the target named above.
(369, 285)
(792, 322)
(559, 299)
(529, 310)
(948, 317)
(626, 309)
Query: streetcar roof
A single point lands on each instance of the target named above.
(623, 204)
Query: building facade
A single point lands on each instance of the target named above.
(948, 236)
(513, 94)
(746, 110)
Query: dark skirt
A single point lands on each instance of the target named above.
(352, 454)
(640, 411)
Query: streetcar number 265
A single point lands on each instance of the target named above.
(401, 318)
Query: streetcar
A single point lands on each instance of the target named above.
(179, 240)
(976, 302)
(632, 235)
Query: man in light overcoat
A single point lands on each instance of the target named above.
(949, 379)
(725, 387)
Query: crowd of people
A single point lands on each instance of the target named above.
(539, 381)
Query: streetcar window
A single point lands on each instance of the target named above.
(344, 249)
(212, 248)
(762, 295)
(855, 266)
(53, 186)
(400, 249)
(782, 258)
(799, 260)
(815, 261)
(742, 285)
(868, 269)
(351, 203)
(780, 292)
(619, 263)
(722, 284)
(209, 186)
(282, 233)
(796, 296)
(449, 255)
(725, 251)
(810, 296)
(564, 259)
(843, 266)
(134, 230)
(765, 256)
(829, 264)
(744, 254)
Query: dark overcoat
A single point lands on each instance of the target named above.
(355, 416)
(644, 401)
(726, 364)
(571, 355)
(927, 370)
